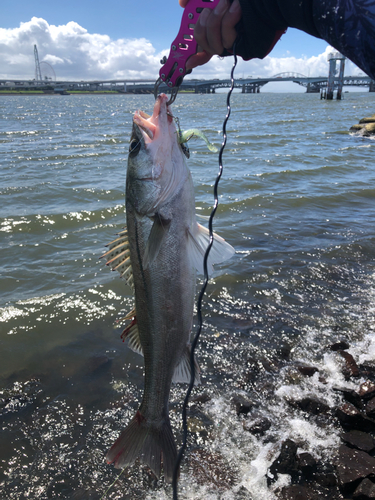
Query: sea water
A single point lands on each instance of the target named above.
(297, 204)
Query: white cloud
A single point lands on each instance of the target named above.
(76, 54)
(271, 66)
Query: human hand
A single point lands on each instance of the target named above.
(214, 31)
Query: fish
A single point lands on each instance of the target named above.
(159, 253)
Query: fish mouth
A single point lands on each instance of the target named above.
(150, 125)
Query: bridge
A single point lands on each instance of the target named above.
(146, 86)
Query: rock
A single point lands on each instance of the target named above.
(351, 396)
(284, 351)
(360, 440)
(99, 362)
(365, 491)
(243, 405)
(307, 464)
(352, 466)
(367, 390)
(368, 119)
(258, 426)
(298, 492)
(351, 368)
(357, 127)
(311, 405)
(351, 418)
(308, 371)
(366, 126)
(370, 408)
(285, 463)
(369, 129)
(201, 398)
(342, 345)
(368, 371)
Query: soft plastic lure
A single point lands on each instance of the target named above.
(194, 132)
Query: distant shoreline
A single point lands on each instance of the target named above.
(58, 94)
(78, 92)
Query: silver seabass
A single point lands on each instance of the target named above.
(159, 255)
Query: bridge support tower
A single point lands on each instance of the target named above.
(372, 86)
(251, 88)
(333, 57)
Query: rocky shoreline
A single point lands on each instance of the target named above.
(350, 472)
(365, 127)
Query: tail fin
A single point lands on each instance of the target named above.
(148, 443)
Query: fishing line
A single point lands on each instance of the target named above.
(205, 283)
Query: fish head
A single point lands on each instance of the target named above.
(156, 164)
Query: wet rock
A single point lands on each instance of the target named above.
(370, 408)
(351, 396)
(311, 405)
(367, 390)
(307, 371)
(307, 465)
(284, 351)
(258, 426)
(352, 466)
(298, 492)
(98, 363)
(366, 126)
(365, 491)
(368, 371)
(325, 476)
(351, 418)
(356, 127)
(350, 368)
(211, 469)
(369, 129)
(342, 345)
(285, 463)
(201, 398)
(242, 404)
(368, 119)
(360, 440)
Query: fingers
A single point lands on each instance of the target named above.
(215, 31)
(207, 31)
(228, 24)
(197, 59)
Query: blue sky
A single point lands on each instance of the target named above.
(125, 39)
(155, 20)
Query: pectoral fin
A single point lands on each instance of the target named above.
(158, 233)
(198, 241)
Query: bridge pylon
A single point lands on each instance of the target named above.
(332, 58)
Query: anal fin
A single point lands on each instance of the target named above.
(182, 373)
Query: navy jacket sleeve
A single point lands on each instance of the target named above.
(347, 25)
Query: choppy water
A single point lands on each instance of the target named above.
(297, 203)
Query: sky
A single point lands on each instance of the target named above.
(84, 40)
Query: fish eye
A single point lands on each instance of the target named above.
(134, 147)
